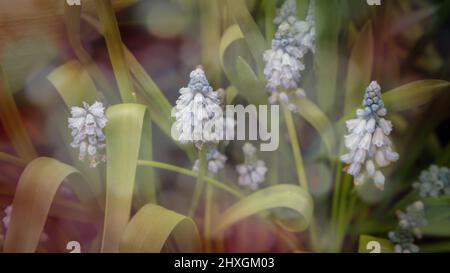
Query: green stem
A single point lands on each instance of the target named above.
(199, 184)
(114, 43)
(169, 167)
(208, 218)
(299, 167)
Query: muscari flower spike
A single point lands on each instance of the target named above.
(294, 39)
(287, 9)
(87, 125)
(434, 182)
(197, 111)
(253, 171)
(413, 219)
(368, 140)
(7, 218)
(403, 241)
(409, 226)
(214, 160)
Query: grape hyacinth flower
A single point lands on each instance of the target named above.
(6, 219)
(434, 182)
(368, 140)
(87, 123)
(283, 62)
(413, 219)
(253, 171)
(214, 160)
(199, 117)
(410, 224)
(288, 9)
(403, 241)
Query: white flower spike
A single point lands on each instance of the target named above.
(294, 39)
(199, 118)
(87, 125)
(253, 172)
(368, 140)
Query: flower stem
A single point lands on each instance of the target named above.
(199, 184)
(209, 195)
(114, 43)
(299, 167)
(169, 167)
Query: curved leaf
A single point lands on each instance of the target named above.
(151, 227)
(359, 68)
(73, 84)
(328, 21)
(34, 195)
(413, 94)
(232, 34)
(250, 87)
(252, 34)
(122, 151)
(276, 197)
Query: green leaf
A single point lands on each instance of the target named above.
(250, 87)
(328, 21)
(230, 93)
(73, 84)
(113, 41)
(252, 34)
(149, 230)
(276, 197)
(302, 8)
(360, 65)
(314, 116)
(414, 94)
(122, 150)
(269, 16)
(370, 244)
(34, 195)
(12, 122)
(231, 35)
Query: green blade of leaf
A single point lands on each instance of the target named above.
(414, 94)
(231, 35)
(328, 23)
(367, 244)
(113, 40)
(276, 197)
(151, 227)
(72, 16)
(122, 152)
(12, 122)
(73, 84)
(314, 116)
(252, 34)
(34, 195)
(250, 87)
(359, 71)
(302, 8)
